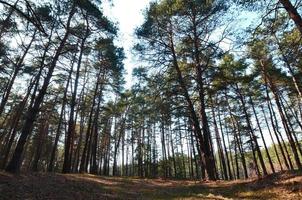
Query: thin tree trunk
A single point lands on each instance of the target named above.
(219, 146)
(283, 118)
(206, 157)
(271, 136)
(59, 127)
(39, 143)
(230, 176)
(84, 158)
(17, 69)
(262, 137)
(252, 134)
(71, 123)
(15, 163)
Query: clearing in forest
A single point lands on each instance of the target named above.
(286, 186)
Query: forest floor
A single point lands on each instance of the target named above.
(285, 186)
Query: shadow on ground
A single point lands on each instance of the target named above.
(287, 185)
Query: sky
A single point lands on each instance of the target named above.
(129, 15)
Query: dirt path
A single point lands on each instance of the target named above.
(283, 186)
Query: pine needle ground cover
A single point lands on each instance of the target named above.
(287, 185)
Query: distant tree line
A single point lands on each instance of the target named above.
(195, 109)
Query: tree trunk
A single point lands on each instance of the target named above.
(225, 148)
(262, 137)
(206, 157)
(293, 13)
(15, 163)
(84, 158)
(71, 123)
(274, 90)
(219, 145)
(39, 143)
(15, 122)
(58, 131)
(17, 69)
(271, 136)
(252, 134)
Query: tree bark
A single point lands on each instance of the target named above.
(262, 137)
(71, 122)
(17, 69)
(293, 13)
(59, 127)
(15, 163)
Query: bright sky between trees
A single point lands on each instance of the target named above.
(129, 14)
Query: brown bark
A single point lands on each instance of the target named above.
(58, 131)
(15, 163)
(262, 137)
(293, 13)
(288, 132)
(252, 134)
(85, 154)
(203, 140)
(271, 136)
(71, 122)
